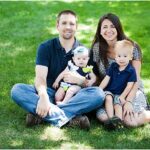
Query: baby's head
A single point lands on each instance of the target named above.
(124, 52)
(81, 56)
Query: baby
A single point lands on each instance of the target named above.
(78, 64)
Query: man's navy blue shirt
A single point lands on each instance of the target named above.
(119, 79)
(54, 56)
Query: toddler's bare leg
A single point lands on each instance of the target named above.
(109, 106)
(118, 110)
(102, 117)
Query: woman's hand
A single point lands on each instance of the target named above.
(128, 110)
(90, 81)
(72, 77)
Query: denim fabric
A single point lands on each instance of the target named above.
(84, 101)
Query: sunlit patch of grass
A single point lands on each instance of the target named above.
(53, 133)
(17, 143)
(72, 145)
(147, 85)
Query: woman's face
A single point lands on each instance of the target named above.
(108, 30)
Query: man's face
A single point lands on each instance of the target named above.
(67, 26)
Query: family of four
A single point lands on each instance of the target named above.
(71, 81)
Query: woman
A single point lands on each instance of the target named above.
(109, 31)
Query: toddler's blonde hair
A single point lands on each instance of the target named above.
(124, 45)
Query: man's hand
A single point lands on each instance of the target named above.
(43, 105)
(72, 77)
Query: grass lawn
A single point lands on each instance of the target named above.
(24, 25)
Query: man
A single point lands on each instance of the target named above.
(52, 58)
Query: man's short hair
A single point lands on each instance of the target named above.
(66, 12)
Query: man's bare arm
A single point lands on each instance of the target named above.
(43, 104)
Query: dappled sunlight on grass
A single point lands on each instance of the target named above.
(128, 33)
(131, 138)
(69, 1)
(44, 2)
(53, 133)
(73, 145)
(5, 44)
(86, 30)
(112, 4)
(146, 85)
(17, 51)
(145, 73)
(30, 81)
(16, 143)
(52, 30)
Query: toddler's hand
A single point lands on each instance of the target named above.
(122, 100)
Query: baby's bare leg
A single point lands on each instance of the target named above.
(59, 95)
(71, 92)
(109, 106)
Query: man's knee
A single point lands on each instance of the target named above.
(15, 91)
(99, 94)
(96, 96)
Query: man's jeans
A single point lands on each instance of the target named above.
(86, 100)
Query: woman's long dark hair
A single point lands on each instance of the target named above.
(103, 46)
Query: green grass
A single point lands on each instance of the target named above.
(24, 25)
